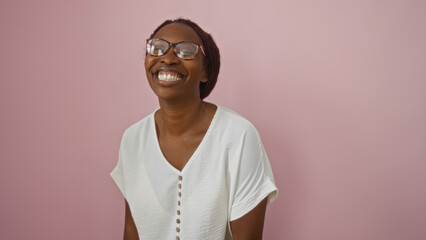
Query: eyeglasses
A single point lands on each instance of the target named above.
(184, 50)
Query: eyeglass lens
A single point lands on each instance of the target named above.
(184, 50)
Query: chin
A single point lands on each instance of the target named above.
(167, 94)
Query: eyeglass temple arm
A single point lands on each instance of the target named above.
(202, 50)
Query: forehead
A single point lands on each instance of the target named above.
(178, 32)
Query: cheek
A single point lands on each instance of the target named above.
(148, 64)
(149, 61)
(196, 67)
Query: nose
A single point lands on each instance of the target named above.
(170, 58)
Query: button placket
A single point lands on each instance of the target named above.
(178, 211)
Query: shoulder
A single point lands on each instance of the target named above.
(135, 130)
(234, 122)
(235, 130)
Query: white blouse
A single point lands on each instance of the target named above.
(226, 177)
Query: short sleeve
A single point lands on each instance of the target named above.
(253, 177)
(117, 173)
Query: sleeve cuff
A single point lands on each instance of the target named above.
(268, 189)
(118, 179)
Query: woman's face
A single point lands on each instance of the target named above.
(185, 74)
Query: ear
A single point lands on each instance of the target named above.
(204, 78)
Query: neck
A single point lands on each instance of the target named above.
(176, 118)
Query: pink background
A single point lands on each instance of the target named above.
(335, 88)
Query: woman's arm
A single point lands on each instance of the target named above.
(250, 226)
(130, 230)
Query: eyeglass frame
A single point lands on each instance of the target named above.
(199, 46)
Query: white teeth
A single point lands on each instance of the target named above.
(168, 77)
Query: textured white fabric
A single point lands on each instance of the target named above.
(225, 178)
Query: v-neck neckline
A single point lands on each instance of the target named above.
(194, 154)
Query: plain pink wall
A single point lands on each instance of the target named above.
(337, 90)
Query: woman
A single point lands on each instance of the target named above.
(192, 169)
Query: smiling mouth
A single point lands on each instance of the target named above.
(169, 76)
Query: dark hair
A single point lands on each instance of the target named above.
(212, 58)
